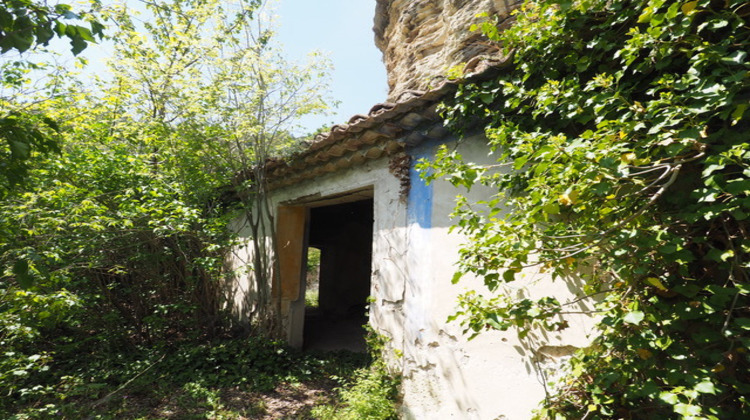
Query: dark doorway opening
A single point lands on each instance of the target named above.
(343, 235)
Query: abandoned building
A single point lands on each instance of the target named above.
(383, 233)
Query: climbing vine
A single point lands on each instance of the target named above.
(622, 128)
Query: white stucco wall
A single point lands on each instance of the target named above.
(241, 291)
(445, 376)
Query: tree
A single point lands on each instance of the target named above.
(624, 128)
(23, 24)
(210, 84)
(121, 238)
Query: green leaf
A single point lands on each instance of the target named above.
(62, 8)
(689, 7)
(44, 34)
(456, 277)
(738, 57)
(656, 283)
(738, 113)
(60, 28)
(21, 150)
(727, 255)
(669, 398)
(738, 186)
(551, 208)
(70, 15)
(21, 267)
(78, 44)
(645, 17)
(706, 387)
(21, 271)
(85, 34)
(6, 19)
(634, 317)
(97, 28)
(21, 40)
(687, 410)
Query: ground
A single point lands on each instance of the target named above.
(285, 401)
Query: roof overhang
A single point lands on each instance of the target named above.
(387, 130)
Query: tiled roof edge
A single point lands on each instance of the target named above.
(384, 128)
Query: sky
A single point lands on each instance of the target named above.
(343, 28)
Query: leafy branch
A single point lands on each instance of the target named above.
(621, 131)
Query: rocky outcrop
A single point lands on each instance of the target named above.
(421, 39)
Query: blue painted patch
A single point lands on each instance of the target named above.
(419, 205)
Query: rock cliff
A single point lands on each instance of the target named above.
(421, 39)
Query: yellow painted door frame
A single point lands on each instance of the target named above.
(291, 225)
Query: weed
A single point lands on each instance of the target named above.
(371, 393)
(216, 379)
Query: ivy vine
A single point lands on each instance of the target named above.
(624, 127)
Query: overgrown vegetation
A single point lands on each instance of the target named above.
(371, 393)
(312, 278)
(116, 196)
(23, 24)
(217, 379)
(621, 131)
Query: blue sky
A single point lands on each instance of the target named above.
(343, 28)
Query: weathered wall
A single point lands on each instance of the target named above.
(496, 375)
(388, 250)
(241, 291)
(421, 39)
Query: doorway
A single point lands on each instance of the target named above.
(342, 234)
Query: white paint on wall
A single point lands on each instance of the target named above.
(494, 376)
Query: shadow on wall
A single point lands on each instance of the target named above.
(240, 289)
(540, 354)
(388, 282)
(545, 352)
(452, 361)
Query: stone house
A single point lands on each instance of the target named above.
(383, 232)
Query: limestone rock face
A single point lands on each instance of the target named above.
(421, 39)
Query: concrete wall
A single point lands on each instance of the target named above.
(241, 292)
(496, 375)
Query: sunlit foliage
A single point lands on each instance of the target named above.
(623, 126)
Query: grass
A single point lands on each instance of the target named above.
(369, 394)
